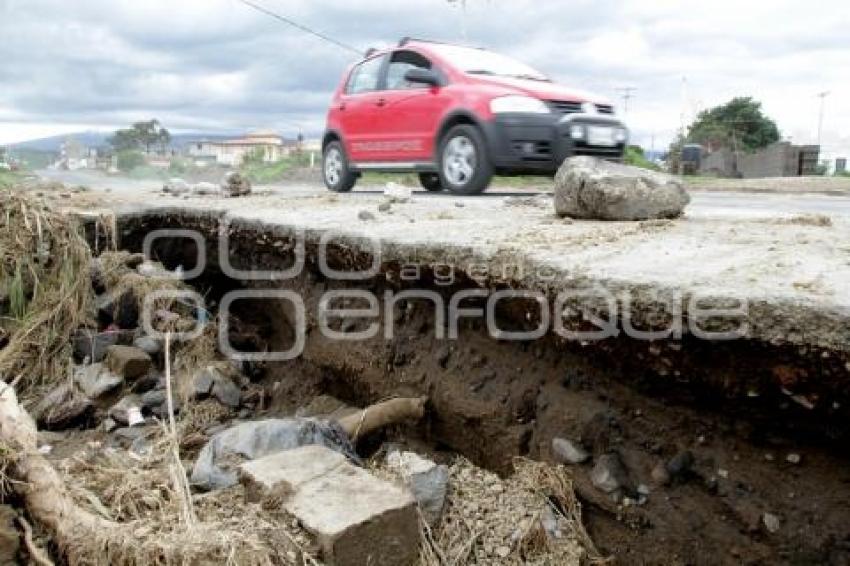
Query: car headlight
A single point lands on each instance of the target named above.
(577, 132)
(621, 135)
(517, 103)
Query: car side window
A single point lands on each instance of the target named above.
(364, 77)
(400, 63)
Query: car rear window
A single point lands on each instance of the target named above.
(364, 77)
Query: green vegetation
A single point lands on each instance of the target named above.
(141, 135)
(634, 156)
(10, 178)
(260, 172)
(738, 124)
(129, 159)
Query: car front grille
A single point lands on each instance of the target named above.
(567, 107)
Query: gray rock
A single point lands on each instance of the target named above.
(127, 411)
(591, 188)
(365, 215)
(119, 309)
(680, 464)
(92, 345)
(202, 382)
(62, 407)
(235, 185)
(176, 186)
(771, 522)
(566, 452)
(154, 398)
(151, 346)
(95, 380)
(127, 361)
(109, 424)
(227, 392)
(217, 463)
(427, 480)
(610, 475)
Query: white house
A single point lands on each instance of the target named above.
(233, 152)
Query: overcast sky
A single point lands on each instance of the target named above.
(218, 65)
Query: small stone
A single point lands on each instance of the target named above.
(609, 474)
(127, 411)
(203, 381)
(10, 539)
(384, 207)
(770, 522)
(154, 398)
(503, 551)
(427, 480)
(566, 452)
(660, 475)
(151, 346)
(127, 361)
(365, 215)
(92, 345)
(62, 407)
(109, 424)
(793, 458)
(680, 464)
(226, 391)
(96, 381)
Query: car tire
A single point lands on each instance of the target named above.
(336, 173)
(464, 165)
(431, 182)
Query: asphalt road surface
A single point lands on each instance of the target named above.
(704, 203)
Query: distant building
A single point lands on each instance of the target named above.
(233, 152)
(840, 165)
(781, 159)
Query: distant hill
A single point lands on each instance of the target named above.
(97, 139)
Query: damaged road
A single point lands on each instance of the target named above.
(676, 444)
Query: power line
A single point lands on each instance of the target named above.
(301, 27)
(626, 93)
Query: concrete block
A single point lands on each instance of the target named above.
(356, 518)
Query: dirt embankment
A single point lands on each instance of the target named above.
(730, 453)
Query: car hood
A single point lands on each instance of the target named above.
(544, 90)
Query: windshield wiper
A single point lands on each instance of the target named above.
(481, 72)
(532, 78)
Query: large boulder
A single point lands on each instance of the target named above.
(591, 188)
(235, 185)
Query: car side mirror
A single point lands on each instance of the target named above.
(422, 76)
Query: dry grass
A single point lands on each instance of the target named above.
(44, 277)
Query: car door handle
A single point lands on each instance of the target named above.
(381, 102)
(342, 106)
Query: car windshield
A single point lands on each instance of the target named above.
(482, 62)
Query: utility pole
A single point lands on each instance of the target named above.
(822, 96)
(626, 93)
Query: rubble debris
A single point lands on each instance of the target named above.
(204, 188)
(771, 522)
(610, 475)
(176, 186)
(226, 391)
(151, 346)
(397, 193)
(215, 465)
(592, 188)
(10, 540)
(793, 458)
(61, 407)
(128, 411)
(355, 517)
(95, 380)
(119, 308)
(128, 361)
(92, 345)
(567, 452)
(235, 185)
(680, 464)
(427, 481)
(365, 215)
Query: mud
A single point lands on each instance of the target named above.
(741, 408)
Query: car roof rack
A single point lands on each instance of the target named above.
(407, 39)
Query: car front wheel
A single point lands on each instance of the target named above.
(338, 176)
(465, 167)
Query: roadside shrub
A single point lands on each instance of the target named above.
(634, 156)
(130, 159)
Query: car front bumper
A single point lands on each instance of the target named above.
(539, 143)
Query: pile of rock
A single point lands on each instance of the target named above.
(235, 185)
(232, 185)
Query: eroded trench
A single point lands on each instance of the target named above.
(758, 448)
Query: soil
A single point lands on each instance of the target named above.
(760, 457)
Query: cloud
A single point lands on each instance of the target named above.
(216, 64)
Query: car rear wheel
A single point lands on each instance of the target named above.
(465, 167)
(337, 174)
(430, 182)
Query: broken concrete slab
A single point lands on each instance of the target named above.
(128, 361)
(356, 518)
(215, 467)
(592, 188)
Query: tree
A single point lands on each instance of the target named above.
(141, 135)
(738, 124)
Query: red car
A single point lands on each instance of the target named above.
(457, 116)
